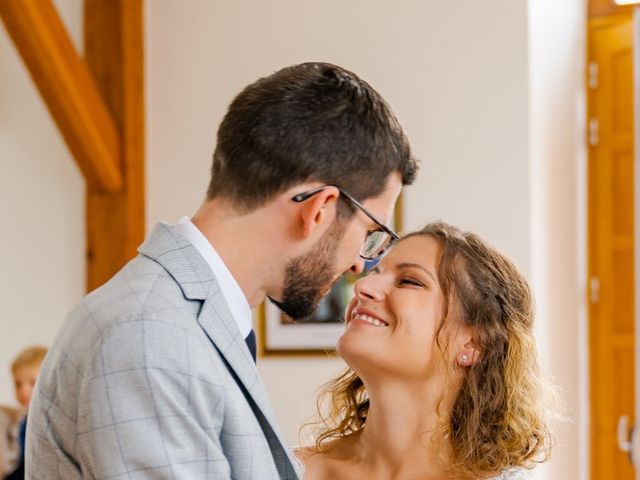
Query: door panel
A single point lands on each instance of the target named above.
(611, 242)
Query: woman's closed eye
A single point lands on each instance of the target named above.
(410, 281)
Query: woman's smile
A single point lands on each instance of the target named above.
(362, 316)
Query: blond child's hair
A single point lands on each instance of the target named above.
(29, 357)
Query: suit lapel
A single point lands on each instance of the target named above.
(216, 320)
(183, 262)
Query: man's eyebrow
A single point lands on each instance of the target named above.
(418, 266)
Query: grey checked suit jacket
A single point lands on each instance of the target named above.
(151, 379)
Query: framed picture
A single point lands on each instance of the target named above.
(317, 335)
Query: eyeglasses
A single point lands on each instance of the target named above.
(376, 242)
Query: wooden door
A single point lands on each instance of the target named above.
(611, 251)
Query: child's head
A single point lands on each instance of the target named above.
(25, 369)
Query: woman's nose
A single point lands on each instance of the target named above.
(369, 288)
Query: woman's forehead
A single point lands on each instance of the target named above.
(419, 249)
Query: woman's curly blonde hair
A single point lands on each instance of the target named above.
(498, 418)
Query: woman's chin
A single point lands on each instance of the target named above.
(355, 352)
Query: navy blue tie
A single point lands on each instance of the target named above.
(251, 343)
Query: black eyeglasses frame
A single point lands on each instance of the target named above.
(301, 197)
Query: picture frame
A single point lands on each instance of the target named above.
(279, 336)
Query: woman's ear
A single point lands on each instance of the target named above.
(468, 355)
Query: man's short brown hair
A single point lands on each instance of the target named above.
(313, 121)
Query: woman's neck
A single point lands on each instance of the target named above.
(402, 437)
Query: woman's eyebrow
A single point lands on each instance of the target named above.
(418, 266)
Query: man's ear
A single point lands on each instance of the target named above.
(317, 210)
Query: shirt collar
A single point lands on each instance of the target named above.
(231, 291)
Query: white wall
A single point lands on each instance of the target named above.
(557, 53)
(494, 124)
(42, 266)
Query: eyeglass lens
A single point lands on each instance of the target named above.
(375, 243)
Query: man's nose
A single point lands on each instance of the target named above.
(358, 267)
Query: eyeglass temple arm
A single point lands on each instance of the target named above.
(301, 197)
(370, 215)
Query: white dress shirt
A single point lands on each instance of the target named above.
(233, 294)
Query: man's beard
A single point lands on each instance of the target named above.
(308, 276)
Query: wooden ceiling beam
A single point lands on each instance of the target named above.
(68, 89)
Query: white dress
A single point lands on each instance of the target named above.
(515, 474)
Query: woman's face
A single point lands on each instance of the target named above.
(393, 319)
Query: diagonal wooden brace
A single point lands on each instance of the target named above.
(68, 90)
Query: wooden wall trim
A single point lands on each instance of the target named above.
(113, 35)
(600, 8)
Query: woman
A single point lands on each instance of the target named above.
(443, 380)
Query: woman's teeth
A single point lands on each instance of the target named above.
(368, 319)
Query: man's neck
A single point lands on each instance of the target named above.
(246, 246)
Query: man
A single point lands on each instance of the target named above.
(151, 376)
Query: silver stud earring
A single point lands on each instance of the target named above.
(465, 358)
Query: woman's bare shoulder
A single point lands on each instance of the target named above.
(304, 453)
(331, 460)
(312, 462)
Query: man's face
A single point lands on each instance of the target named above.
(310, 276)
